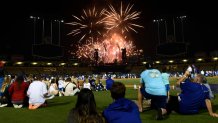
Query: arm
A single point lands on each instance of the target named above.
(142, 85)
(168, 96)
(182, 78)
(209, 108)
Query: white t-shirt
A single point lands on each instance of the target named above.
(60, 83)
(87, 85)
(52, 87)
(36, 92)
(69, 90)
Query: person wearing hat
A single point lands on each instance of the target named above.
(153, 87)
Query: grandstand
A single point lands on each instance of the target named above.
(75, 67)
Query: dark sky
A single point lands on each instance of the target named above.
(200, 30)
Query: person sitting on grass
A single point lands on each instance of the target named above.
(70, 88)
(53, 88)
(18, 91)
(92, 83)
(100, 86)
(212, 96)
(86, 84)
(85, 109)
(61, 86)
(109, 82)
(2, 74)
(37, 93)
(5, 99)
(122, 110)
(194, 96)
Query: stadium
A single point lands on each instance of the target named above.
(95, 40)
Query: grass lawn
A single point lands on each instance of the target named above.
(59, 107)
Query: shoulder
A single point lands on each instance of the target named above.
(26, 84)
(12, 84)
(144, 72)
(205, 87)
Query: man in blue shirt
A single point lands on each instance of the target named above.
(193, 97)
(109, 82)
(153, 87)
(122, 110)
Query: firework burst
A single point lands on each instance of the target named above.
(106, 32)
(89, 26)
(109, 50)
(122, 19)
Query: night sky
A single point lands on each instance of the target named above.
(200, 30)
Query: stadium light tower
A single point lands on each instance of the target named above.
(158, 27)
(165, 23)
(34, 27)
(51, 31)
(59, 30)
(182, 18)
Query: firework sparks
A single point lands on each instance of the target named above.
(89, 25)
(122, 19)
(106, 32)
(109, 50)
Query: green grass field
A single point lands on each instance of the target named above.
(59, 107)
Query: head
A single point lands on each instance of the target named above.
(8, 79)
(164, 69)
(2, 64)
(149, 65)
(204, 80)
(7, 82)
(19, 80)
(86, 102)
(199, 78)
(74, 79)
(68, 79)
(109, 76)
(118, 90)
(37, 77)
(53, 81)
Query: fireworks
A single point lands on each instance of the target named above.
(89, 25)
(105, 31)
(109, 49)
(122, 19)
